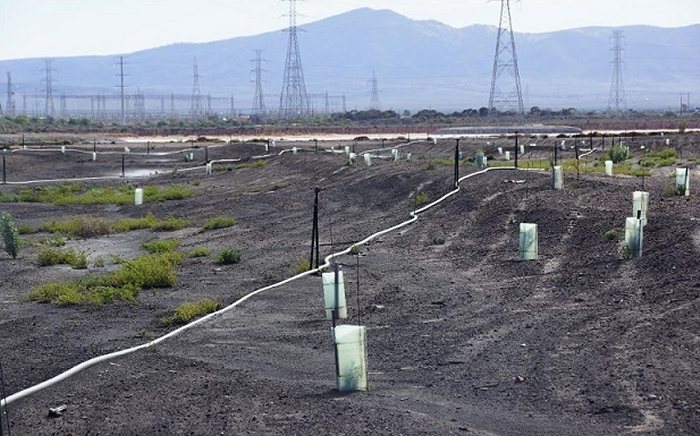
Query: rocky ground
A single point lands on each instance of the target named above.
(463, 337)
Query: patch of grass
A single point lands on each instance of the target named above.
(128, 224)
(170, 224)
(80, 293)
(99, 262)
(421, 198)
(161, 246)
(615, 235)
(190, 311)
(228, 256)
(77, 194)
(25, 229)
(301, 267)
(200, 251)
(355, 250)
(80, 227)
(219, 222)
(48, 256)
(256, 165)
(148, 271)
(663, 158)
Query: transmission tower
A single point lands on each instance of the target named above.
(259, 98)
(196, 92)
(122, 88)
(10, 108)
(616, 101)
(294, 101)
(506, 95)
(49, 108)
(374, 103)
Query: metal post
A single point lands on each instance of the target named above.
(457, 163)
(206, 154)
(123, 166)
(316, 145)
(516, 149)
(383, 140)
(94, 145)
(578, 162)
(4, 169)
(556, 148)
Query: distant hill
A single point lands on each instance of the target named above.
(419, 64)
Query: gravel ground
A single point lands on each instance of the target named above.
(463, 337)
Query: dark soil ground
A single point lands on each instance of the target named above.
(463, 337)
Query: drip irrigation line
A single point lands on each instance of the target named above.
(327, 264)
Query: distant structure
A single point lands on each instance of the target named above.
(122, 88)
(616, 101)
(685, 106)
(196, 107)
(259, 97)
(49, 109)
(506, 95)
(294, 101)
(374, 103)
(10, 108)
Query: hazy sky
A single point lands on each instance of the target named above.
(43, 28)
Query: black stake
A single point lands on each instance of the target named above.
(123, 171)
(516, 149)
(383, 139)
(4, 169)
(359, 313)
(314, 232)
(316, 145)
(457, 163)
(3, 395)
(206, 154)
(334, 317)
(556, 147)
(578, 161)
(94, 145)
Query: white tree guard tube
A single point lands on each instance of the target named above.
(327, 262)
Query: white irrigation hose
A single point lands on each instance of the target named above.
(94, 361)
(395, 146)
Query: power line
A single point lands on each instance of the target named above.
(374, 103)
(617, 101)
(259, 97)
(294, 101)
(196, 92)
(505, 95)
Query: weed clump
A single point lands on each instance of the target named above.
(200, 251)
(421, 198)
(301, 267)
(77, 194)
(190, 311)
(170, 224)
(80, 227)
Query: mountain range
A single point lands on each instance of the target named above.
(418, 64)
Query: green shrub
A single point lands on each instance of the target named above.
(228, 256)
(10, 235)
(199, 251)
(82, 292)
(161, 246)
(619, 153)
(25, 229)
(662, 158)
(190, 311)
(219, 222)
